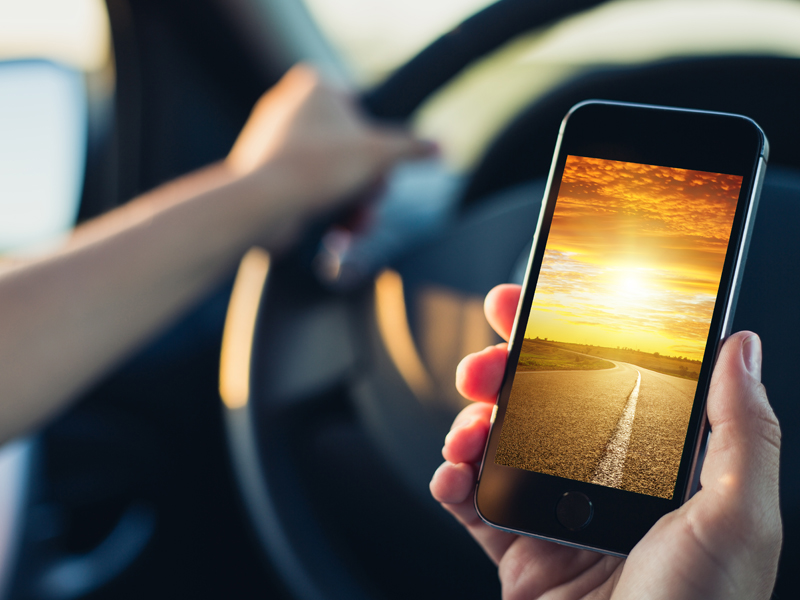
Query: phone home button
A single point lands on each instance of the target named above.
(574, 511)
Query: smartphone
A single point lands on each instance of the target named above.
(631, 287)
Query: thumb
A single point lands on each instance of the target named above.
(744, 447)
(740, 475)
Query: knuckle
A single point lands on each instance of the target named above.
(766, 422)
(511, 572)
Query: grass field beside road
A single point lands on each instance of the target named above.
(669, 365)
(538, 355)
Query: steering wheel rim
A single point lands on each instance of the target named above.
(249, 423)
(277, 500)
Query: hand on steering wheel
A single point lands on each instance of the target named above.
(318, 134)
(723, 543)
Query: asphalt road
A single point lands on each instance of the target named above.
(564, 422)
(659, 431)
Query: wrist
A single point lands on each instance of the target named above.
(269, 206)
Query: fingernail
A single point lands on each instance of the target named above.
(751, 352)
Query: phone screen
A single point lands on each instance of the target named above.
(617, 330)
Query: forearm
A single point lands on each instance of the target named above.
(67, 319)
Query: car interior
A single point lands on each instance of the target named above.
(166, 478)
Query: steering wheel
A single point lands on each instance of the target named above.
(337, 403)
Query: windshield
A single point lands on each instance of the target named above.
(377, 37)
(465, 115)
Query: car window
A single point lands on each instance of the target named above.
(54, 55)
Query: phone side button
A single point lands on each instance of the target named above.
(574, 511)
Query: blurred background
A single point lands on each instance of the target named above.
(317, 486)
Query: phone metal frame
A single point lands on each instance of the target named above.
(687, 479)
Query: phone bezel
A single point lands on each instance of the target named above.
(523, 501)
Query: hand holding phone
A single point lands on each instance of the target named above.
(601, 412)
(723, 543)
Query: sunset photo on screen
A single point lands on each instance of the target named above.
(617, 330)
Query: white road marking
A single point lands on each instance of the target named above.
(609, 471)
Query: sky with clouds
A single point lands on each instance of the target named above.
(634, 256)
